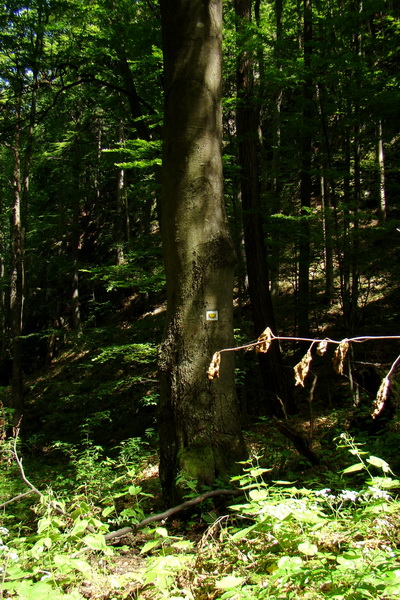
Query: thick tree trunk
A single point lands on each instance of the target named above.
(200, 434)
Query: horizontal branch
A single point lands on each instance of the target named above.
(16, 498)
(168, 513)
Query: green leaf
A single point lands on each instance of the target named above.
(385, 483)
(229, 582)
(79, 527)
(44, 524)
(149, 546)
(107, 511)
(291, 564)
(392, 590)
(258, 495)
(182, 544)
(307, 548)
(162, 531)
(380, 463)
(95, 541)
(354, 468)
(257, 472)
(239, 535)
(80, 565)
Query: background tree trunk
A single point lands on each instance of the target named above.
(199, 422)
(17, 287)
(247, 121)
(305, 177)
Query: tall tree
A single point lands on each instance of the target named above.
(199, 421)
(247, 123)
(305, 173)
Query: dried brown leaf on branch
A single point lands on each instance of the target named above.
(339, 356)
(301, 369)
(213, 369)
(322, 347)
(265, 340)
(381, 397)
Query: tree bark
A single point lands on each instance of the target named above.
(2, 293)
(305, 177)
(380, 155)
(247, 122)
(199, 422)
(17, 287)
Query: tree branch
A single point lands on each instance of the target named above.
(15, 498)
(171, 511)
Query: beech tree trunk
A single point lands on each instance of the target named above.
(199, 422)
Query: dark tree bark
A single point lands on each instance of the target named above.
(247, 123)
(305, 176)
(2, 293)
(17, 286)
(199, 422)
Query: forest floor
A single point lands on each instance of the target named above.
(89, 443)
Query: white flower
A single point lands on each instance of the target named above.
(325, 494)
(349, 495)
(376, 493)
(46, 575)
(13, 556)
(4, 531)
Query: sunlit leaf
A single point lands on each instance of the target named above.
(230, 581)
(380, 463)
(354, 468)
(308, 548)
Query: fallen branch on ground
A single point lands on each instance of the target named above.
(168, 513)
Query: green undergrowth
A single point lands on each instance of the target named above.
(279, 540)
(107, 377)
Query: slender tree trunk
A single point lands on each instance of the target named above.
(328, 206)
(122, 225)
(345, 262)
(247, 121)
(381, 170)
(199, 422)
(17, 287)
(328, 236)
(75, 239)
(276, 184)
(19, 213)
(306, 177)
(2, 290)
